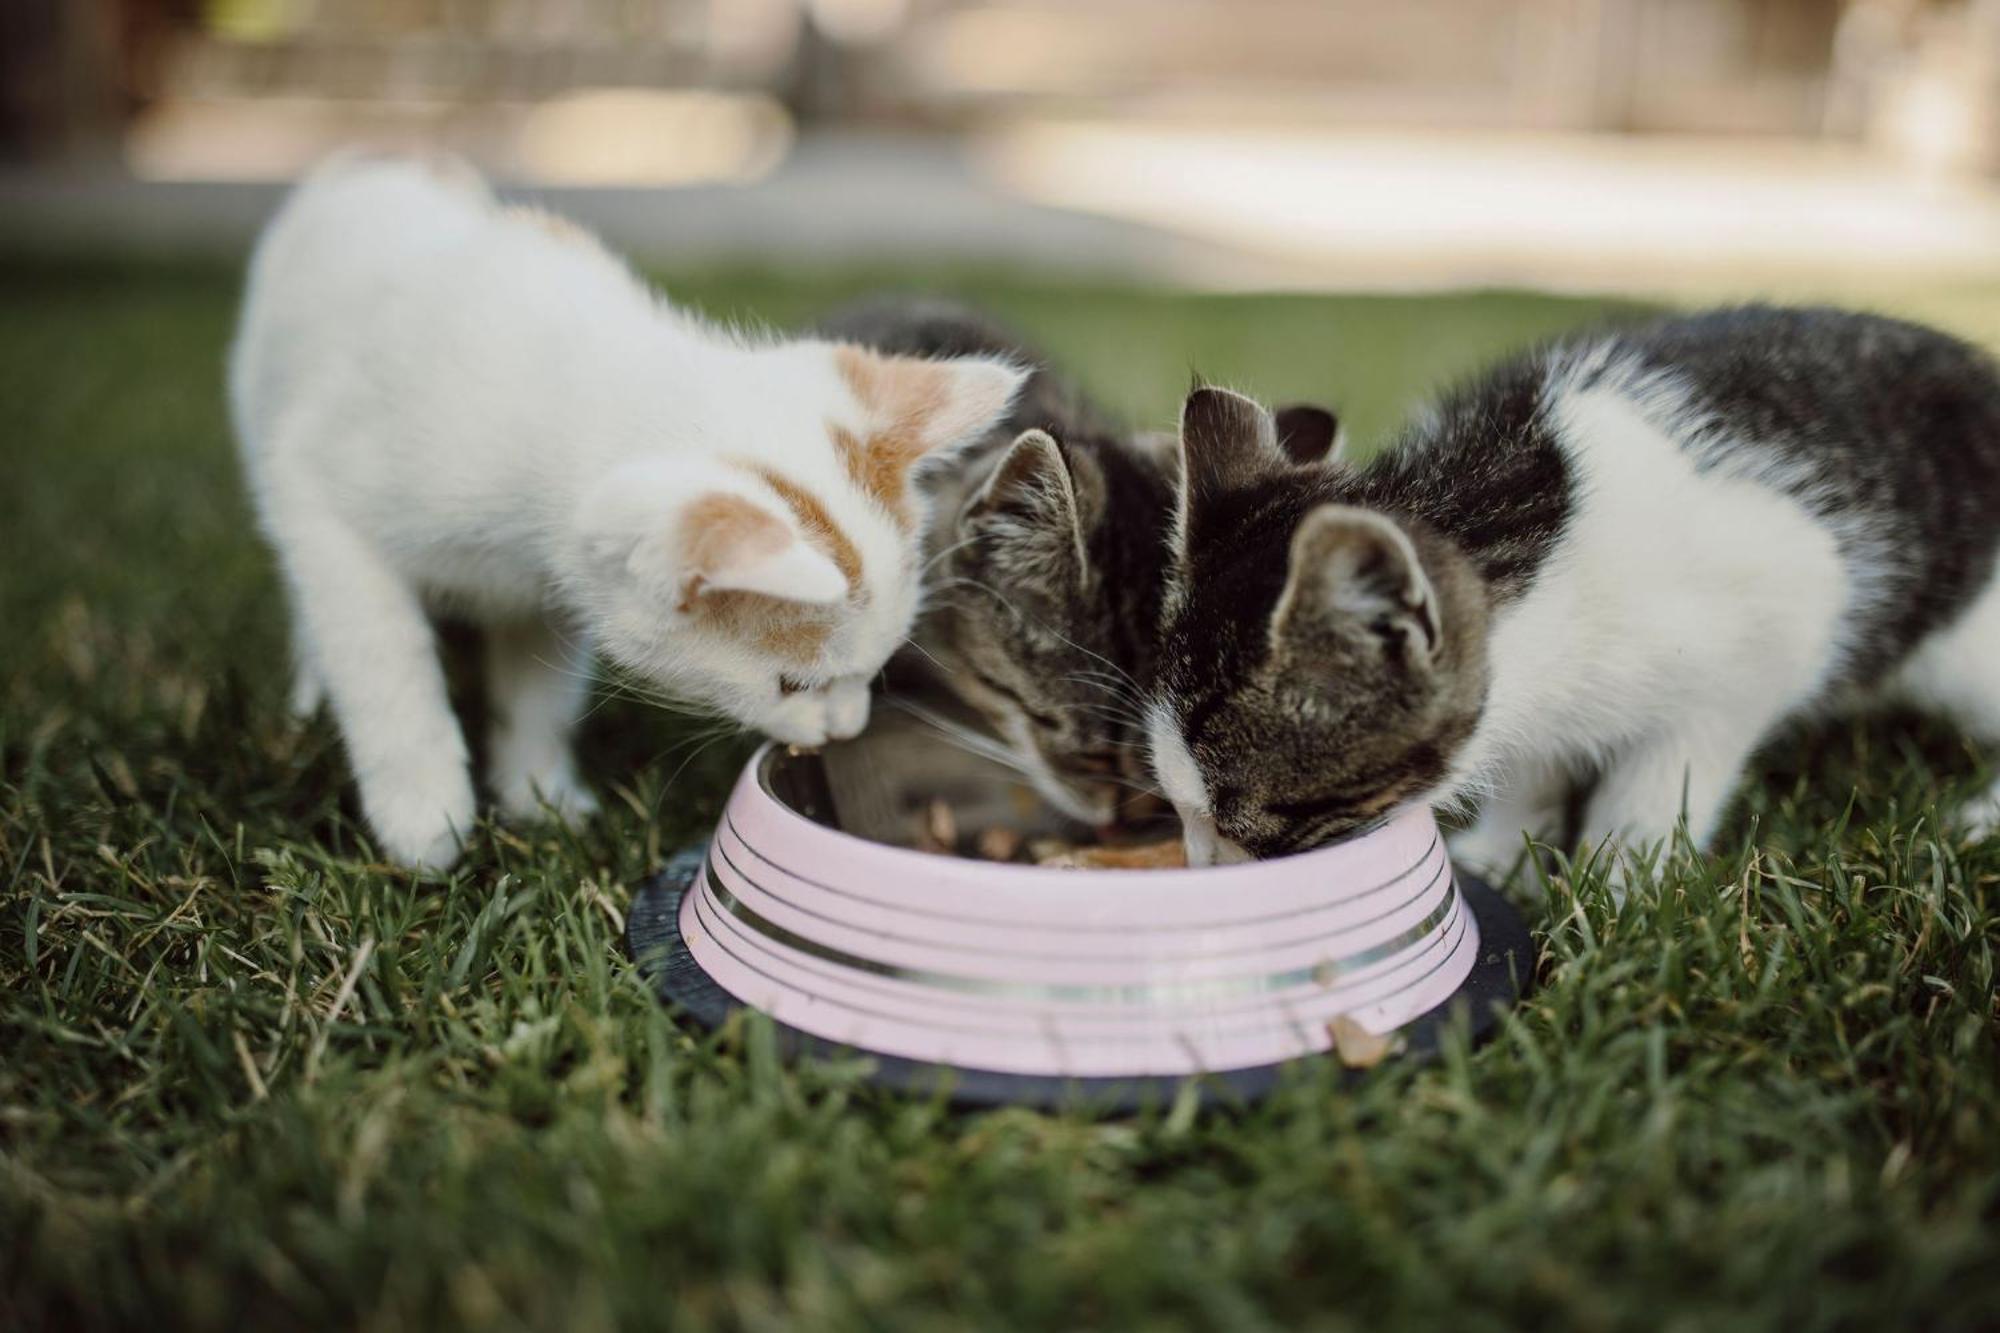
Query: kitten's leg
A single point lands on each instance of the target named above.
(1690, 771)
(308, 688)
(367, 633)
(1529, 803)
(1957, 672)
(538, 676)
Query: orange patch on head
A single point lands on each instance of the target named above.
(902, 397)
(817, 525)
(792, 631)
(720, 529)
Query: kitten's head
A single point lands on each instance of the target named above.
(1049, 595)
(1321, 662)
(1044, 591)
(769, 568)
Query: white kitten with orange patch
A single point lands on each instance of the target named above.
(445, 401)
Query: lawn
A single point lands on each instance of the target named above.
(252, 1078)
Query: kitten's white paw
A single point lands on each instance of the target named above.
(1979, 818)
(1489, 851)
(420, 823)
(555, 793)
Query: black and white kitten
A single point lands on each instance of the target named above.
(1631, 555)
(1046, 561)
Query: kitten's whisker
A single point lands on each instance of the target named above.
(966, 739)
(1105, 685)
(1140, 789)
(707, 744)
(1113, 712)
(950, 550)
(928, 655)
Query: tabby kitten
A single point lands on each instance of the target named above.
(1043, 590)
(442, 400)
(1629, 555)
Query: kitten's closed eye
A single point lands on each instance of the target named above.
(790, 685)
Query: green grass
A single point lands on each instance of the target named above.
(251, 1078)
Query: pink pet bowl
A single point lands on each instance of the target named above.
(1019, 983)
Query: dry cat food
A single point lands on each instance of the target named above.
(938, 831)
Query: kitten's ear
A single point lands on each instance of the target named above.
(1356, 572)
(1227, 441)
(1033, 490)
(731, 543)
(1309, 433)
(919, 409)
(684, 532)
(977, 393)
(1033, 475)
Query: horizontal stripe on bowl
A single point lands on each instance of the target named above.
(1348, 920)
(1256, 1015)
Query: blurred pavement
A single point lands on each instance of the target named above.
(1244, 209)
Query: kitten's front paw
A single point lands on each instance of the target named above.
(420, 825)
(1490, 852)
(1978, 818)
(556, 793)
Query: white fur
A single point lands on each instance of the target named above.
(441, 400)
(1684, 615)
(1181, 783)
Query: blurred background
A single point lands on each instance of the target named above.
(1674, 148)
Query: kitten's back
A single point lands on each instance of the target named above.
(1886, 432)
(394, 268)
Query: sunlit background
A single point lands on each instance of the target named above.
(1678, 147)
